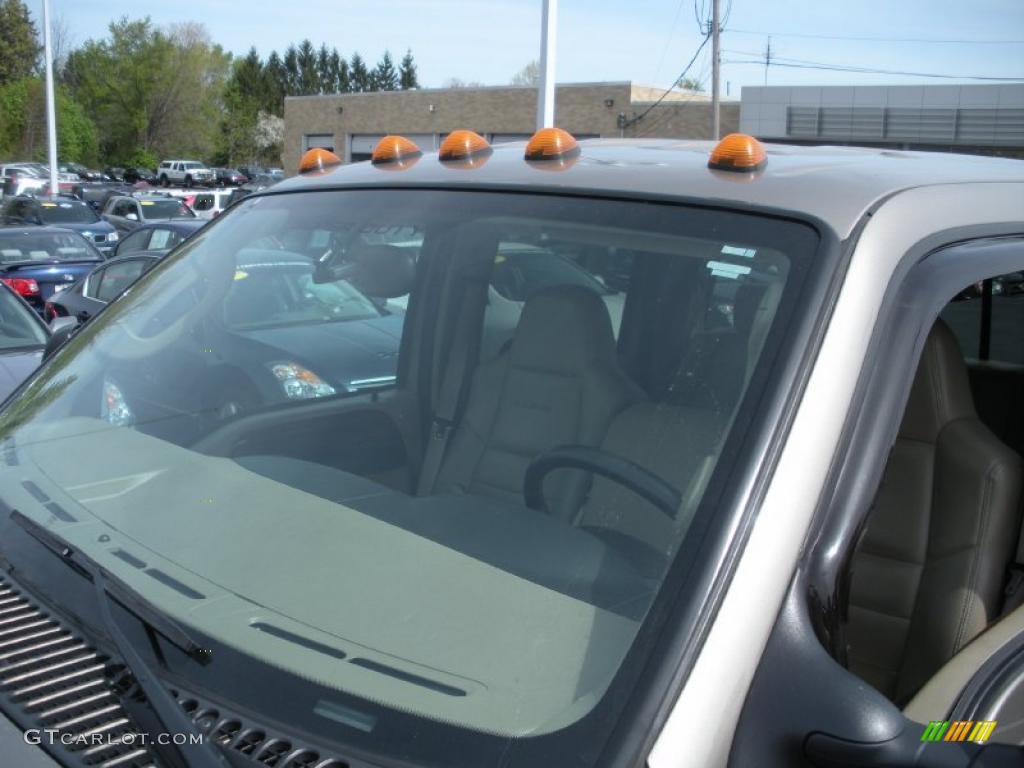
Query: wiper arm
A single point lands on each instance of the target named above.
(137, 605)
(170, 715)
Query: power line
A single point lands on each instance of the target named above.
(873, 39)
(658, 121)
(668, 40)
(682, 74)
(794, 64)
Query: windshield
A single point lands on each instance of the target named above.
(17, 326)
(252, 420)
(164, 209)
(45, 246)
(67, 213)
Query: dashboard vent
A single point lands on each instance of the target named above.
(52, 679)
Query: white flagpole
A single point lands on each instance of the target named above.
(51, 109)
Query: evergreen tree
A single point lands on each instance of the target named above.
(291, 71)
(359, 76)
(407, 73)
(276, 84)
(385, 76)
(309, 78)
(19, 49)
(326, 78)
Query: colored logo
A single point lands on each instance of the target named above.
(958, 730)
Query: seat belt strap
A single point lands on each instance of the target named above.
(465, 343)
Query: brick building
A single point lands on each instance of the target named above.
(352, 123)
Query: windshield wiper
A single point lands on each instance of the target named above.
(109, 588)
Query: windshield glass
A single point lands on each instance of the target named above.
(164, 209)
(249, 420)
(67, 213)
(45, 246)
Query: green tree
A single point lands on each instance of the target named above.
(385, 76)
(689, 84)
(358, 74)
(277, 83)
(339, 71)
(151, 89)
(23, 123)
(19, 46)
(291, 71)
(309, 78)
(407, 73)
(324, 73)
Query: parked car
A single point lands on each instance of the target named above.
(574, 549)
(20, 178)
(209, 205)
(22, 339)
(228, 177)
(97, 289)
(135, 175)
(255, 184)
(37, 262)
(184, 173)
(81, 171)
(127, 213)
(158, 237)
(63, 211)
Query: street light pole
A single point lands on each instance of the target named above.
(51, 110)
(715, 69)
(546, 84)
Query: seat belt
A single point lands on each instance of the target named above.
(463, 352)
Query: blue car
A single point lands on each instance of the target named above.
(64, 212)
(38, 262)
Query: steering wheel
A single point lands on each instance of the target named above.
(213, 285)
(626, 473)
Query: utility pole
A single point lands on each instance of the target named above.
(51, 113)
(767, 59)
(546, 84)
(715, 68)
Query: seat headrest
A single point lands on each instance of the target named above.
(563, 328)
(941, 392)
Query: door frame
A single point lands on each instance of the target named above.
(806, 650)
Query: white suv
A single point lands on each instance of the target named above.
(184, 172)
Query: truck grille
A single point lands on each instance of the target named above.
(99, 238)
(52, 679)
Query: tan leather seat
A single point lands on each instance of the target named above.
(929, 571)
(558, 383)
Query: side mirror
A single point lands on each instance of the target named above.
(379, 271)
(62, 329)
(132, 216)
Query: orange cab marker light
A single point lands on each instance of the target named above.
(738, 152)
(395, 152)
(465, 148)
(552, 144)
(318, 160)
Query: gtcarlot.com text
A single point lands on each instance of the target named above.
(51, 736)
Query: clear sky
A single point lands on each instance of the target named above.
(646, 41)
